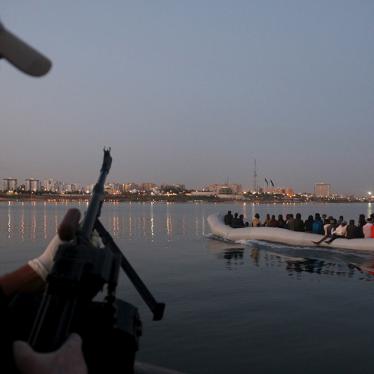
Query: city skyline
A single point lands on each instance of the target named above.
(319, 189)
(193, 92)
(261, 181)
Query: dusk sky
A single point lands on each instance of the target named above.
(192, 91)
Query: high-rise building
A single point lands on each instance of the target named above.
(129, 187)
(322, 189)
(59, 186)
(72, 188)
(49, 185)
(148, 186)
(9, 184)
(89, 188)
(32, 185)
(113, 188)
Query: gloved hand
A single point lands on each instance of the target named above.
(42, 265)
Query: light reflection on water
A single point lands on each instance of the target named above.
(169, 225)
(33, 220)
(45, 223)
(152, 221)
(296, 262)
(130, 227)
(22, 225)
(9, 224)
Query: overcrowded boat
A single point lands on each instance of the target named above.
(279, 235)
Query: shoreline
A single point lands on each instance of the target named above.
(173, 199)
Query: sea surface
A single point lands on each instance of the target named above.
(256, 308)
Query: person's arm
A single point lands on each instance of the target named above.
(24, 279)
(32, 276)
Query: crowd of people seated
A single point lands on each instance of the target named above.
(235, 221)
(330, 227)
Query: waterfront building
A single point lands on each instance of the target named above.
(289, 191)
(59, 185)
(230, 188)
(322, 189)
(201, 193)
(32, 185)
(113, 188)
(89, 188)
(172, 188)
(9, 184)
(130, 187)
(67, 188)
(49, 185)
(72, 188)
(117, 188)
(148, 186)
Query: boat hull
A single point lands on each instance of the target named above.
(284, 236)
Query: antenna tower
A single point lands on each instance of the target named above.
(255, 178)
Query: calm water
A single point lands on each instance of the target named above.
(230, 309)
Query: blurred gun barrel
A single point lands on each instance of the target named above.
(94, 207)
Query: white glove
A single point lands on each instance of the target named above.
(42, 265)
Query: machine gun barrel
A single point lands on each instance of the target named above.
(94, 207)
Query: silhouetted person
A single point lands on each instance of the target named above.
(281, 222)
(351, 229)
(361, 220)
(228, 218)
(359, 234)
(290, 222)
(340, 220)
(299, 223)
(317, 227)
(309, 224)
(361, 223)
(273, 222)
(241, 220)
(267, 220)
(235, 221)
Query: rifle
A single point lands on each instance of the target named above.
(110, 329)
